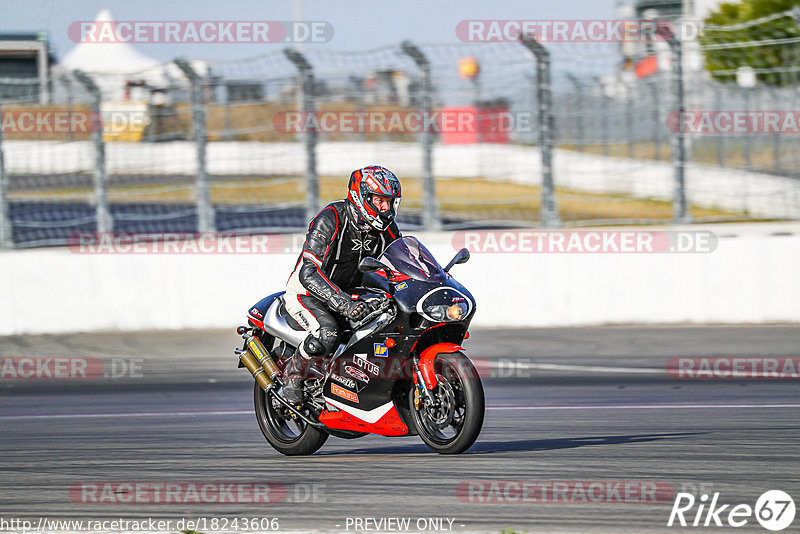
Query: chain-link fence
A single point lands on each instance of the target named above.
(48, 165)
(481, 134)
(753, 66)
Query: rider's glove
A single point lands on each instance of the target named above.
(355, 310)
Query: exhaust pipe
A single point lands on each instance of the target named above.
(255, 369)
(257, 360)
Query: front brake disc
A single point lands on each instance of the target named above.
(440, 413)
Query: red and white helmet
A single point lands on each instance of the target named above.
(364, 183)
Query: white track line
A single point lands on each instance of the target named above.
(558, 367)
(499, 408)
(641, 406)
(139, 414)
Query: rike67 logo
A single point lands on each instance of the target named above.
(774, 510)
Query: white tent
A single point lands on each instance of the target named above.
(107, 57)
(113, 65)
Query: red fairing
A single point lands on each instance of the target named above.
(388, 425)
(428, 357)
(397, 277)
(258, 322)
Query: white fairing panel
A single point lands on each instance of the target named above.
(371, 416)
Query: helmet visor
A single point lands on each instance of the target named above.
(385, 205)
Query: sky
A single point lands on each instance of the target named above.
(357, 24)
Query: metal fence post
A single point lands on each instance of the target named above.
(776, 137)
(606, 140)
(310, 136)
(549, 210)
(720, 138)
(205, 210)
(680, 213)
(6, 238)
(604, 112)
(68, 88)
(576, 83)
(653, 85)
(748, 159)
(430, 204)
(629, 100)
(105, 223)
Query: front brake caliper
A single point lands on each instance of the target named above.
(417, 398)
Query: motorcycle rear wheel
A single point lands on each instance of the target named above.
(288, 436)
(453, 425)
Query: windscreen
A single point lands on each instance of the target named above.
(410, 257)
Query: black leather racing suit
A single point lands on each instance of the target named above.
(326, 269)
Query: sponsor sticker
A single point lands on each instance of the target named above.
(347, 382)
(372, 183)
(356, 373)
(402, 286)
(381, 350)
(362, 362)
(343, 393)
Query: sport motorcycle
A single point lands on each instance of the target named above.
(401, 370)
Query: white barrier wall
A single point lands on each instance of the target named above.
(752, 277)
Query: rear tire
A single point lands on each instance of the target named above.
(454, 426)
(288, 436)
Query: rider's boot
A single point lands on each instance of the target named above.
(293, 387)
(297, 365)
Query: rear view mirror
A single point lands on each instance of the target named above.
(369, 265)
(462, 256)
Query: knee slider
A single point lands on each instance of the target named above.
(313, 347)
(329, 337)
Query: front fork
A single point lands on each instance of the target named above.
(425, 372)
(420, 390)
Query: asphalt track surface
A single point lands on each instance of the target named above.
(578, 404)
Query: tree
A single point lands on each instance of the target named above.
(733, 37)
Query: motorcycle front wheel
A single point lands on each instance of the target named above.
(451, 424)
(287, 435)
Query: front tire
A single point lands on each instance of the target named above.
(452, 424)
(288, 436)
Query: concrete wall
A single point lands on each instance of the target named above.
(751, 277)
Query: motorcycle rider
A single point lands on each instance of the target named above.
(338, 238)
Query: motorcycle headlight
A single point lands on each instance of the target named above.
(456, 312)
(436, 312)
(443, 312)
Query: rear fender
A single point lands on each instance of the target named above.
(428, 357)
